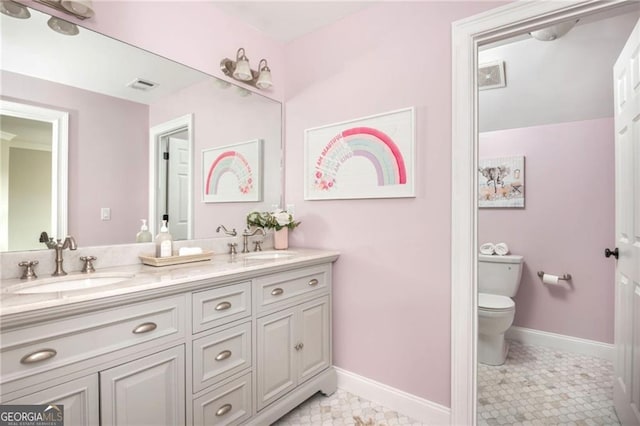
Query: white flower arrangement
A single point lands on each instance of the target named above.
(276, 219)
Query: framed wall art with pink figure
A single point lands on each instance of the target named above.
(370, 157)
(232, 173)
(501, 182)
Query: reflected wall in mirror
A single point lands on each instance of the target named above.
(110, 148)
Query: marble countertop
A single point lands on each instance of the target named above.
(147, 281)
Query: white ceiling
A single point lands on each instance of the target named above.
(288, 20)
(569, 79)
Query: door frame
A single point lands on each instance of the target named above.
(156, 133)
(467, 35)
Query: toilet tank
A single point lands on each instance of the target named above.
(499, 274)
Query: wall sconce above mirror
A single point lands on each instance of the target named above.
(241, 70)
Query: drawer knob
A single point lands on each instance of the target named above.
(224, 410)
(277, 291)
(299, 346)
(145, 328)
(39, 356)
(223, 355)
(313, 282)
(223, 306)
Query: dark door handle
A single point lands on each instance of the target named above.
(609, 253)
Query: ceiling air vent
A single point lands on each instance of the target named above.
(141, 84)
(491, 75)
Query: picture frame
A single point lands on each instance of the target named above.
(501, 182)
(232, 173)
(369, 157)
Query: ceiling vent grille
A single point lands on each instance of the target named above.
(141, 84)
(491, 75)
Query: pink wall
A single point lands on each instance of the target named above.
(391, 299)
(195, 33)
(108, 144)
(567, 222)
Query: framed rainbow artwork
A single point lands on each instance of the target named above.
(370, 157)
(232, 173)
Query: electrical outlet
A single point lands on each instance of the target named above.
(105, 213)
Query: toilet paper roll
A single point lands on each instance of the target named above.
(550, 279)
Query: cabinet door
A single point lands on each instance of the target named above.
(79, 398)
(315, 353)
(276, 364)
(148, 391)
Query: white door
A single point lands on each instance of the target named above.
(626, 73)
(314, 353)
(178, 186)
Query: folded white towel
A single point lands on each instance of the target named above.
(502, 249)
(186, 251)
(487, 248)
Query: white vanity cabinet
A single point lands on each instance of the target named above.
(147, 391)
(208, 351)
(78, 397)
(293, 345)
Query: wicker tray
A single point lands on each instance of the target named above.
(175, 260)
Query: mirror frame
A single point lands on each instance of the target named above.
(59, 121)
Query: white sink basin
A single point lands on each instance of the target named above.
(71, 283)
(266, 255)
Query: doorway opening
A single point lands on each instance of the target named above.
(171, 171)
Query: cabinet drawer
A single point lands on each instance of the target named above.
(229, 404)
(291, 286)
(221, 305)
(219, 355)
(31, 350)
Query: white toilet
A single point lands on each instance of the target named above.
(498, 282)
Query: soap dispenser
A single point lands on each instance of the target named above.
(144, 236)
(164, 243)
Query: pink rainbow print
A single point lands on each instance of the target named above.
(366, 142)
(229, 162)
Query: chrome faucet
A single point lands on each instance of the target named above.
(69, 243)
(233, 232)
(245, 238)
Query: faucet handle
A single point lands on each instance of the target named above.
(257, 246)
(232, 248)
(28, 273)
(88, 264)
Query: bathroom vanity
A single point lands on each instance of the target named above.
(238, 339)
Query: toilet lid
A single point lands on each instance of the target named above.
(495, 302)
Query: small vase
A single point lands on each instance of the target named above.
(281, 239)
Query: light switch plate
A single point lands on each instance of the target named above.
(105, 213)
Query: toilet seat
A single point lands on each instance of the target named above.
(495, 302)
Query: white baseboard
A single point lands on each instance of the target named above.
(529, 336)
(414, 407)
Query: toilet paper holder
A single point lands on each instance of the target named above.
(565, 277)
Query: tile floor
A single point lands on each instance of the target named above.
(542, 386)
(339, 409)
(536, 386)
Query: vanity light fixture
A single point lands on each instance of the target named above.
(241, 71)
(81, 9)
(15, 10)
(63, 27)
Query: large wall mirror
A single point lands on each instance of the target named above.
(122, 108)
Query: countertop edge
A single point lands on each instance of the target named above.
(25, 318)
